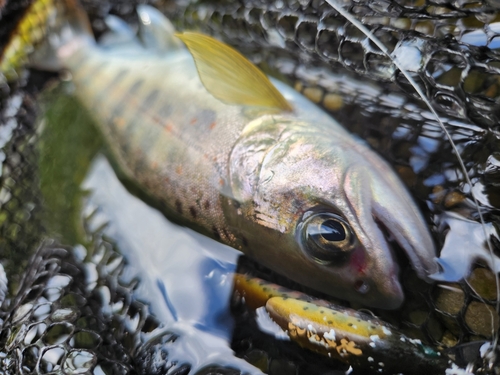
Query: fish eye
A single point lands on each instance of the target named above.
(327, 238)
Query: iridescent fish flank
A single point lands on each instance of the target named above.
(247, 161)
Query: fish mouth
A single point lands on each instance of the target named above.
(393, 291)
(388, 285)
(385, 219)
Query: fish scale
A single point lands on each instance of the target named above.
(120, 99)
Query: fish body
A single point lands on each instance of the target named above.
(288, 186)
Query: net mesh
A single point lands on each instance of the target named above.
(449, 48)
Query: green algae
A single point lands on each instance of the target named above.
(68, 142)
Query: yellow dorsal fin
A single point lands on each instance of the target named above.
(229, 76)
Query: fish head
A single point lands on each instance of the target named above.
(328, 211)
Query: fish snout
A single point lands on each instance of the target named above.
(375, 276)
(387, 292)
(399, 217)
(382, 210)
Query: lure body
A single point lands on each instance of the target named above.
(290, 188)
(356, 338)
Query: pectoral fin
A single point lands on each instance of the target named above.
(229, 76)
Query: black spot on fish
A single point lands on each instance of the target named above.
(122, 103)
(165, 111)
(265, 289)
(111, 85)
(321, 311)
(193, 212)
(305, 308)
(349, 324)
(215, 233)
(117, 111)
(151, 98)
(330, 322)
(270, 295)
(118, 77)
(178, 206)
(372, 327)
(97, 68)
(136, 86)
(206, 205)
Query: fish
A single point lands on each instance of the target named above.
(244, 159)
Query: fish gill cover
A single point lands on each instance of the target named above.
(450, 49)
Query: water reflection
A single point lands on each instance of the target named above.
(464, 244)
(185, 277)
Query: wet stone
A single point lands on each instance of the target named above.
(450, 301)
(479, 318)
(418, 317)
(58, 281)
(333, 102)
(22, 313)
(51, 359)
(259, 359)
(30, 357)
(435, 328)
(407, 175)
(85, 340)
(452, 325)
(60, 315)
(79, 362)
(58, 333)
(314, 94)
(448, 339)
(110, 368)
(453, 198)
(282, 367)
(16, 336)
(482, 281)
(42, 311)
(35, 332)
(72, 300)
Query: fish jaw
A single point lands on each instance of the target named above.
(388, 204)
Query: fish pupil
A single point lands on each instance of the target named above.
(332, 230)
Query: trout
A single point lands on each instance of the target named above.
(244, 159)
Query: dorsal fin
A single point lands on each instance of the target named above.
(229, 76)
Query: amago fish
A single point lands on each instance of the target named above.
(245, 160)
